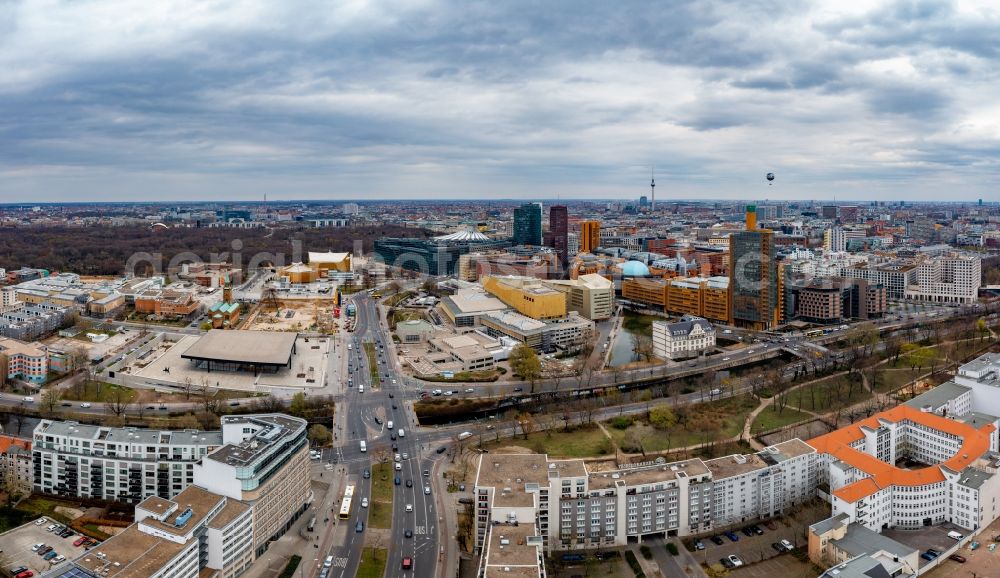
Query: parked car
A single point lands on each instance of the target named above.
(957, 558)
(50, 555)
(747, 531)
(58, 559)
(757, 530)
(726, 563)
(787, 545)
(24, 574)
(732, 536)
(735, 560)
(717, 540)
(698, 545)
(777, 547)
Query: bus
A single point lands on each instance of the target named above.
(814, 333)
(345, 504)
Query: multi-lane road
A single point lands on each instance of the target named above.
(366, 419)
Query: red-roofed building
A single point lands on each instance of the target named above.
(909, 468)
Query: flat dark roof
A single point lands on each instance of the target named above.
(253, 347)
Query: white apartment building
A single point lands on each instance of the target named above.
(264, 463)
(576, 508)
(947, 279)
(929, 461)
(124, 464)
(197, 534)
(835, 238)
(686, 338)
(896, 277)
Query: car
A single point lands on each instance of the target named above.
(406, 456)
(392, 397)
(367, 474)
(399, 467)
(732, 536)
(407, 563)
(698, 545)
(17, 570)
(50, 528)
(407, 533)
(747, 531)
(436, 392)
(392, 436)
(928, 556)
(79, 541)
(735, 560)
(726, 563)
(409, 507)
(933, 552)
(518, 389)
(37, 547)
(427, 473)
(44, 550)
(396, 458)
(427, 490)
(409, 483)
(777, 547)
(359, 527)
(50, 555)
(25, 574)
(364, 502)
(787, 545)
(84, 405)
(151, 407)
(67, 533)
(28, 399)
(957, 558)
(470, 390)
(66, 404)
(379, 421)
(448, 393)
(717, 540)
(40, 521)
(58, 559)
(394, 447)
(396, 481)
(757, 530)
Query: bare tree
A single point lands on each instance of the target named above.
(49, 400)
(118, 401)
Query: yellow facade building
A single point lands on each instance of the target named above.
(528, 296)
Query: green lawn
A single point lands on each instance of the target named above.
(95, 391)
(11, 518)
(380, 502)
(382, 476)
(372, 563)
(380, 515)
(889, 379)
(373, 364)
(829, 394)
(579, 442)
(770, 418)
(701, 423)
(38, 505)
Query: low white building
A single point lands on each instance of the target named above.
(688, 337)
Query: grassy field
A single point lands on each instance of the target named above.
(372, 363)
(100, 392)
(890, 379)
(400, 315)
(380, 503)
(829, 394)
(11, 518)
(770, 418)
(37, 505)
(372, 563)
(703, 422)
(579, 442)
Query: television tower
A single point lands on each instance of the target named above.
(652, 188)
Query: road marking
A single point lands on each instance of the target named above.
(340, 562)
(418, 530)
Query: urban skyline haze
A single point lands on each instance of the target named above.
(434, 99)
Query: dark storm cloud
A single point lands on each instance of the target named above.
(457, 98)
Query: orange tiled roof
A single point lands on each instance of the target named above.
(7, 441)
(975, 442)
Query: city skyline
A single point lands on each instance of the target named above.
(452, 101)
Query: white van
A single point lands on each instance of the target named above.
(389, 425)
(464, 435)
(328, 562)
(361, 388)
(955, 535)
(364, 447)
(401, 432)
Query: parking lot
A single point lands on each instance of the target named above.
(16, 545)
(980, 562)
(750, 549)
(923, 539)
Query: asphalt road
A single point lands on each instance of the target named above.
(364, 411)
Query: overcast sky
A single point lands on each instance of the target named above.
(118, 100)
